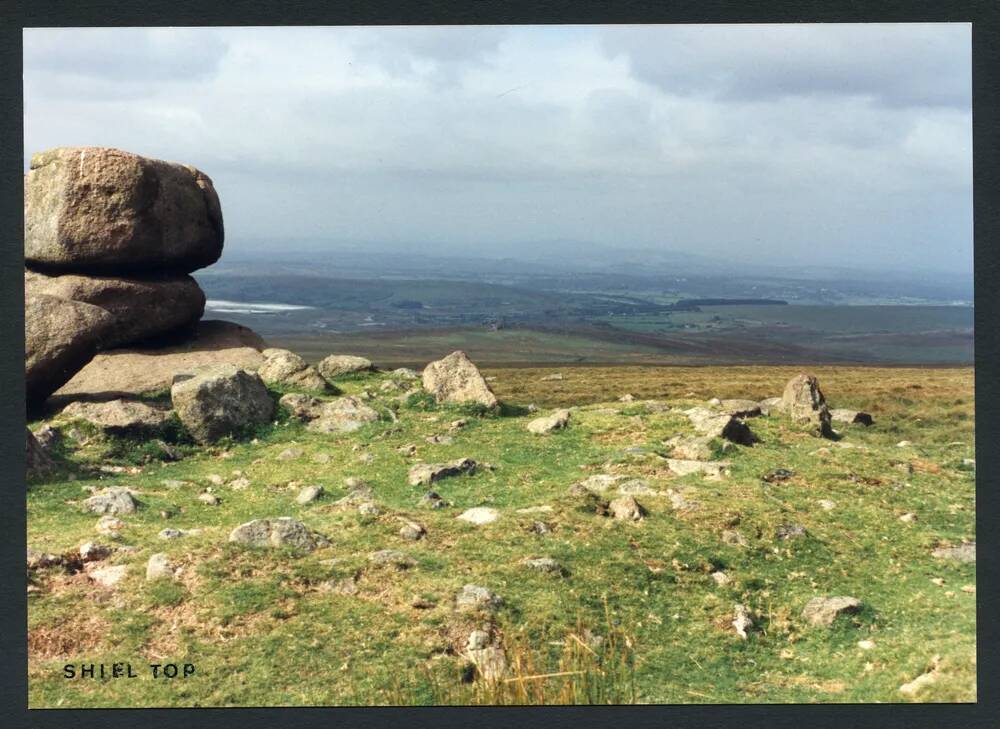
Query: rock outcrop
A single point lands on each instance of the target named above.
(455, 379)
(100, 210)
(220, 400)
(804, 403)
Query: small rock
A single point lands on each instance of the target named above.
(159, 568)
(721, 578)
(554, 377)
(215, 479)
(426, 473)
(209, 499)
(309, 494)
(170, 533)
(734, 538)
(290, 453)
(108, 576)
(778, 474)
(39, 560)
(322, 458)
(440, 439)
(636, 487)
(337, 365)
(965, 552)
(366, 458)
(826, 504)
(712, 470)
(741, 620)
(851, 417)
(544, 564)
(626, 508)
(239, 484)
(866, 645)
(476, 597)
(94, 552)
(908, 517)
(109, 526)
(412, 531)
(368, 508)
(458, 424)
(455, 379)
(680, 503)
(479, 515)
(824, 610)
(431, 500)
(490, 663)
(421, 603)
(172, 483)
(477, 640)
(969, 463)
(627, 397)
(904, 444)
(556, 421)
(112, 501)
(277, 532)
(539, 527)
(393, 558)
(542, 509)
(923, 680)
(785, 532)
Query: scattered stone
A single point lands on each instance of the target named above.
(392, 558)
(407, 450)
(556, 421)
(712, 470)
(282, 367)
(412, 531)
(173, 483)
(636, 487)
(120, 417)
(220, 400)
(338, 365)
(770, 405)
(904, 444)
(542, 509)
(359, 493)
(455, 379)
(109, 526)
(440, 440)
(209, 499)
(37, 460)
(778, 474)
(115, 500)
(929, 677)
(94, 552)
(721, 578)
(627, 397)
(239, 484)
(720, 425)
(422, 603)
(554, 377)
(969, 463)
(734, 538)
(690, 448)
(908, 517)
(277, 532)
(479, 515)
(431, 500)
(544, 564)
(170, 533)
(215, 479)
(366, 458)
(600, 482)
(741, 620)
(786, 532)
(458, 424)
(343, 415)
(490, 663)
(740, 408)
(39, 560)
(680, 503)
(301, 407)
(826, 504)
(108, 576)
(322, 458)
(866, 645)
(477, 639)
(851, 417)
(290, 454)
(426, 473)
(368, 508)
(405, 373)
(965, 552)
(344, 586)
(805, 404)
(626, 508)
(309, 494)
(159, 568)
(824, 610)
(476, 597)
(540, 528)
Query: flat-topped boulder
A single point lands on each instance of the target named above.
(151, 366)
(284, 367)
(60, 337)
(804, 403)
(720, 425)
(220, 400)
(455, 379)
(338, 365)
(550, 423)
(343, 415)
(851, 417)
(142, 307)
(426, 473)
(97, 209)
(120, 417)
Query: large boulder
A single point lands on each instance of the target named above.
(282, 531)
(338, 365)
(95, 209)
(455, 379)
(712, 424)
(120, 417)
(283, 367)
(805, 404)
(150, 367)
(220, 400)
(343, 415)
(142, 307)
(60, 337)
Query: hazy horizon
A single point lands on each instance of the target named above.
(840, 146)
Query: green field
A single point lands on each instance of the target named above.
(262, 630)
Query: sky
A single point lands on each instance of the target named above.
(839, 145)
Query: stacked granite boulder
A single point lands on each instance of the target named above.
(110, 239)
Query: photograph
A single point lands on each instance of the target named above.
(473, 365)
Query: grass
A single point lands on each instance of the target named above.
(262, 629)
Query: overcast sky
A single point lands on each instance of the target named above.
(820, 144)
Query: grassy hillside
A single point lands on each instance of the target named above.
(261, 628)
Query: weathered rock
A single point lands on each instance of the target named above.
(60, 337)
(277, 532)
(805, 404)
(965, 552)
(115, 500)
(720, 425)
(37, 461)
(740, 408)
(785, 532)
(40, 560)
(691, 448)
(925, 679)
(209, 499)
(142, 307)
(151, 366)
(626, 508)
(94, 551)
(851, 417)
(544, 564)
(343, 415)
(109, 526)
(220, 400)
(159, 568)
(432, 500)
(301, 407)
(710, 469)
(455, 379)
(770, 405)
(734, 538)
(309, 494)
(392, 558)
(479, 515)
(338, 365)
(824, 610)
(405, 373)
(412, 531)
(473, 597)
(108, 576)
(426, 473)
(97, 209)
(636, 487)
(120, 417)
(283, 367)
(556, 421)
(680, 502)
(490, 663)
(170, 533)
(741, 620)
(777, 474)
